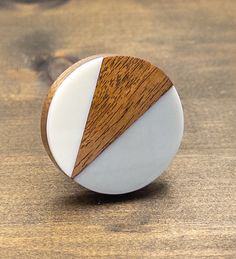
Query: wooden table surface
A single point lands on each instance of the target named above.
(190, 211)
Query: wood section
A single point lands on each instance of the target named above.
(126, 89)
(190, 211)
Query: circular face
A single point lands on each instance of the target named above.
(112, 123)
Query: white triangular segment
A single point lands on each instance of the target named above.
(68, 113)
(141, 153)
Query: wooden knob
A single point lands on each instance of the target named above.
(112, 123)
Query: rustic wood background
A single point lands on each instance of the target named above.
(190, 211)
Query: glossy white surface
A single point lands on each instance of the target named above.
(141, 153)
(68, 113)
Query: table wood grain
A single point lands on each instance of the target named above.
(190, 211)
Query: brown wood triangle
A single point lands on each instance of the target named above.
(126, 88)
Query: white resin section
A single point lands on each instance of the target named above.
(141, 153)
(68, 113)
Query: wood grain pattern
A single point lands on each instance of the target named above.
(126, 88)
(190, 211)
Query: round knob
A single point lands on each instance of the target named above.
(112, 123)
